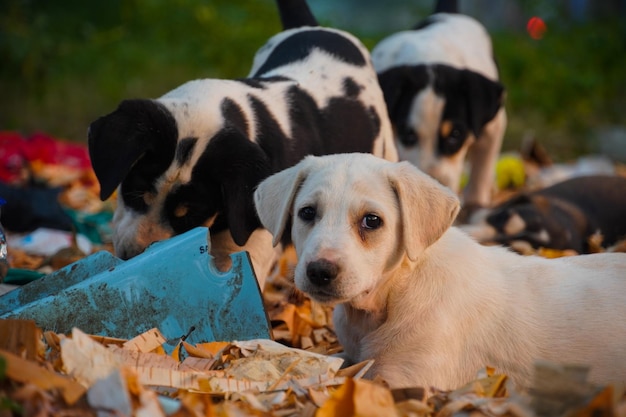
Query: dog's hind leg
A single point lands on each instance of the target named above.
(295, 14)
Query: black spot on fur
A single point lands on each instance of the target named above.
(351, 88)
(349, 127)
(306, 121)
(300, 45)
(184, 149)
(234, 116)
(270, 137)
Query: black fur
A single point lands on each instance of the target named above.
(447, 6)
(184, 149)
(146, 132)
(570, 212)
(294, 15)
(299, 46)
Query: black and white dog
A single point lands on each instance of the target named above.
(194, 156)
(563, 216)
(445, 101)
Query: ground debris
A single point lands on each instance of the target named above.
(107, 377)
(49, 374)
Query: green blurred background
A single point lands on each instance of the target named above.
(64, 63)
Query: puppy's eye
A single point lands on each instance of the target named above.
(307, 213)
(453, 141)
(409, 137)
(371, 222)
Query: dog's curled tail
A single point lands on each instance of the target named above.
(295, 14)
(446, 6)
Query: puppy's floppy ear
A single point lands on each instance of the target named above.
(400, 85)
(427, 208)
(243, 165)
(139, 131)
(484, 97)
(274, 197)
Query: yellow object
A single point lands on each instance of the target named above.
(510, 172)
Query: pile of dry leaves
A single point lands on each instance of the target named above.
(49, 374)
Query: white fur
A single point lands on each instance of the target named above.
(428, 303)
(455, 39)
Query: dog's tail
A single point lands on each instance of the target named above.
(295, 14)
(446, 6)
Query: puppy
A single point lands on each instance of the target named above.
(193, 156)
(423, 299)
(562, 216)
(445, 101)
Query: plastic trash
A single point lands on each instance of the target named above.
(173, 286)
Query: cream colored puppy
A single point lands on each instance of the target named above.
(427, 302)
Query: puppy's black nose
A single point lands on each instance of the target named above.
(322, 272)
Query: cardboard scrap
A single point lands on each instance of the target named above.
(146, 342)
(261, 365)
(86, 360)
(21, 337)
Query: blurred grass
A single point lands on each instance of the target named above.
(66, 63)
(566, 86)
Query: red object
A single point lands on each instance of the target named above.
(17, 152)
(536, 27)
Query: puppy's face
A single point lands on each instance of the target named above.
(355, 218)
(438, 112)
(345, 229)
(176, 171)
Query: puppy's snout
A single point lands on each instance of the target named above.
(322, 272)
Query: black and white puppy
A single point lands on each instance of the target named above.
(194, 156)
(562, 216)
(445, 101)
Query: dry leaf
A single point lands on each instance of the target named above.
(26, 371)
(359, 398)
(213, 348)
(556, 253)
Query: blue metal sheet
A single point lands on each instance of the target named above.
(173, 286)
